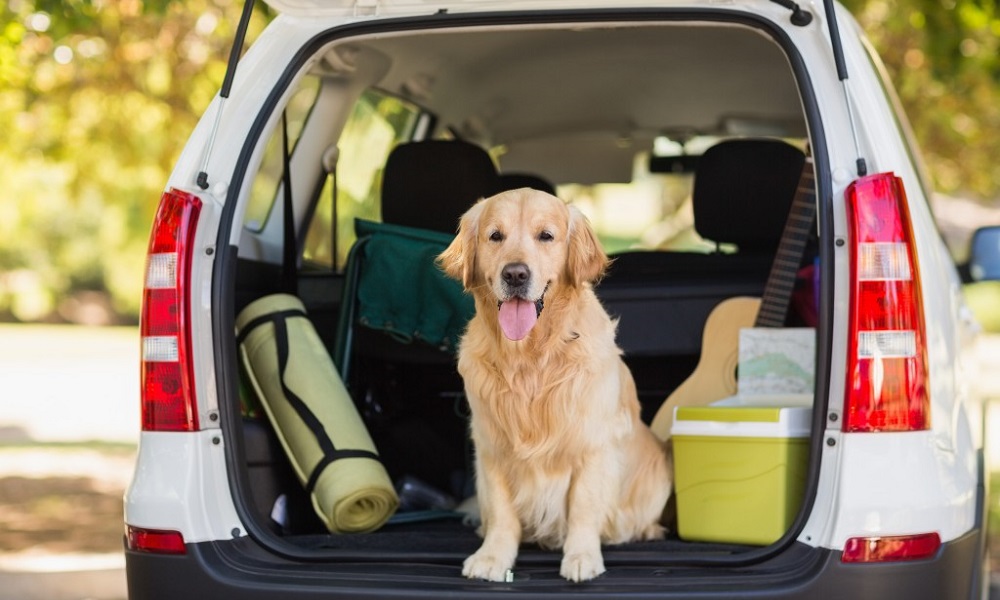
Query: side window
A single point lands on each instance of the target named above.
(264, 190)
(377, 124)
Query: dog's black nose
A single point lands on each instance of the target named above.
(516, 275)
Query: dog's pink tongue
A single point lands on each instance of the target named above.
(517, 317)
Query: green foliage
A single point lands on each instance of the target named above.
(984, 301)
(97, 98)
(944, 59)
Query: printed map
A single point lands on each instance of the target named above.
(776, 361)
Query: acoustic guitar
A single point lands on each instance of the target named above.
(715, 376)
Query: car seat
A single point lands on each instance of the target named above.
(513, 181)
(401, 317)
(429, 184)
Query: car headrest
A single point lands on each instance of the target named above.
(743, 190)
(430, 184)
(513, 181)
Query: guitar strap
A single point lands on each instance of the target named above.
(788, 258)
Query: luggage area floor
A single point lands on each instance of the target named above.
(451, 538)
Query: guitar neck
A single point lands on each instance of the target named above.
(798, 227)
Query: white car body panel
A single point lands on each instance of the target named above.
(886, 488)
(870, 484)
(180, 484)
(875, 484)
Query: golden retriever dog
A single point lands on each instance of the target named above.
(562, 457)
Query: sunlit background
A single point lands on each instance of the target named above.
(97, 98)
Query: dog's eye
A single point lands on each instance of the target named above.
(546, 236)
(496, 236)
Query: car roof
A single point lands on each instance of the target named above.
(582, 99)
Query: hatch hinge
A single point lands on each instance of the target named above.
(838, 59)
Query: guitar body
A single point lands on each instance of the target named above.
(715, 376)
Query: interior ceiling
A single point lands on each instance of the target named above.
(539, 91)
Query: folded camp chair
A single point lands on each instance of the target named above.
(395, 349)
(393, 285)
(401, 318)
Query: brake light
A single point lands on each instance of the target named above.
(168, 402)
(155, 540)
(886, 365)
(890, 548)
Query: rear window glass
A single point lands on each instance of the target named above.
(378, 122)
(264, 189)
(654, 210)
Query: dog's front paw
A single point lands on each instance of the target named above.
(487, 565)
(582, 566)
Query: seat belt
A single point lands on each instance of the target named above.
(289, 274)
(330, 159)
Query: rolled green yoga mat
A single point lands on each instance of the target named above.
(313, 415)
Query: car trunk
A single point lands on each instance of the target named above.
(408, 394)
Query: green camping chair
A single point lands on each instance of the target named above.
(393, 285)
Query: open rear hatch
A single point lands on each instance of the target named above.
(410, 403)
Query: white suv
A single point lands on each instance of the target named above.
(304, 432)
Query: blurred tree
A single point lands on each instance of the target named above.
(944, 59)
(97, 98)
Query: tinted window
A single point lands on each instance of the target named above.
(377, 123)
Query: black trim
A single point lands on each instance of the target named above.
(223, 283)
(239, 569)
(268, 318)
(289, 245)
(331, 456)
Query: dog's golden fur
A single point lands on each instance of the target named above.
(562, 457)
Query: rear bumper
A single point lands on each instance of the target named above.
(240, 569)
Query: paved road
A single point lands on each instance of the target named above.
(64, 383)
(69, 383)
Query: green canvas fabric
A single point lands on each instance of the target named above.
(401, 290)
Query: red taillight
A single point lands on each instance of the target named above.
(168, 402)
(155, 540)
(887, 357)
(891, 548)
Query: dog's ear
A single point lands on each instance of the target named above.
(459, 259)
(586, 260)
